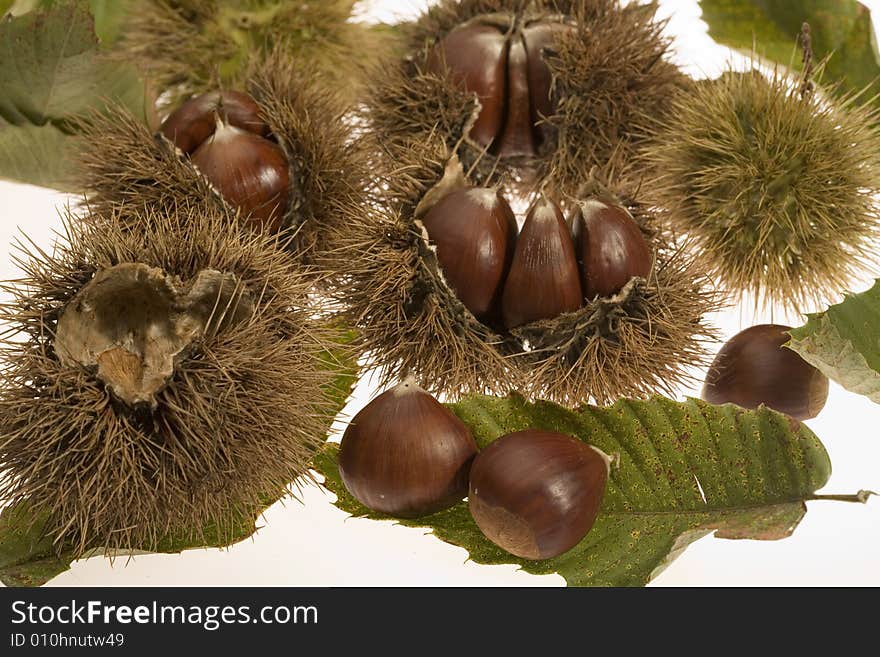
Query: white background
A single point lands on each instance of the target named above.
(314, 544)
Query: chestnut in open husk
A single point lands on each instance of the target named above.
(410, 309)
(537, 493)
(229, 143)
(405, 454)
(530, 90)
(282, 115)
(611, 247)
(754, 367)
(500, 59)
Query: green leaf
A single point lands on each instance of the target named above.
(844, 342)
(35, 154)
(840, 28)
(756, 469)
(52, 76)
(28, 558)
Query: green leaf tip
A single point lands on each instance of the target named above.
(843, 342)
(686, 469)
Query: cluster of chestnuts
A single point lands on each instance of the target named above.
(533, 493)
(227, 140)
(501, 60)
(549, 269)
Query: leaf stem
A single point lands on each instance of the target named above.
(859, 498)
(807, 85)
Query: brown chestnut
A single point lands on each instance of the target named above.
(611, 248)
(544, 280)
(229, 143)
(754, 368)
(506, 68)
(537, 493)
(475, 55)
(517, 139)
(406, 455)
(539, 38)
(475, 232)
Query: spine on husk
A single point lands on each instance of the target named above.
(172, 380)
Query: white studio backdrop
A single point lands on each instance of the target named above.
(312, 543)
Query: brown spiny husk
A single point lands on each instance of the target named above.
(123, 167)
(642, 341)
(240, 418)
(187, 47)
(775, 187)
(611, 77)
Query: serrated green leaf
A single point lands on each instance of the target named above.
(685, 470)
(844, 342)
(52, 75)
(35, 154)
(28, 558)
(840, 28)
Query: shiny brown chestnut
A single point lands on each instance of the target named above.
(754, 368)
(537, 493)
(506, 68)
(229, 143)
(475, 233)
(406, 455)
(611, 248)
(544, 280)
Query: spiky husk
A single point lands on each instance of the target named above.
(239, 420)
(123, 167)
(641, 342)
(187, 47)
(611, 78)
(777, 192)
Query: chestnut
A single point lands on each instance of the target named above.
(537, 493)
(475, 233)
(475, 56)
(506, 68)
(611, 248)
(754, 368)
(544, 280)
(404, 454)
(229, 143)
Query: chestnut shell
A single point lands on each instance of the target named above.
(544, 281)
(611, 248)
(475, 233)
(406, 455)
(537, 493)
(754, 368)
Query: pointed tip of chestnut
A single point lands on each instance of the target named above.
(754, 368)
(611, 248)
(536, 493)
(195, 120)
(405, 454)
(544, 281)
(474, 231)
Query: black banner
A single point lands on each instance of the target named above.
(389, 621)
